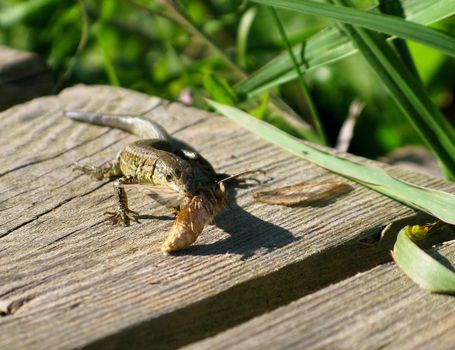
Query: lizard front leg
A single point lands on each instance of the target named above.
(123, 215)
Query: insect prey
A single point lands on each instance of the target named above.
(193, 217)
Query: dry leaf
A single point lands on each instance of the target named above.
(303, 194)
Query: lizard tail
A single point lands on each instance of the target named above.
(139, 126)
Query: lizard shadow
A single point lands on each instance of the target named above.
(248, 234)
(155, 217)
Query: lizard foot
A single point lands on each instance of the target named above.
(108, 170)
(85, 168)
(88, 170)
(122, 217)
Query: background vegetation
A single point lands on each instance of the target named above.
(157, 47)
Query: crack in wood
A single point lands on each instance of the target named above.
(71, 233)
(58, 205)
(10, 308)
(54, 156)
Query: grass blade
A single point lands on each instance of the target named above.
(378, 22)
(179, 15)
(421, 267)
(331, 45)
(107, 60)
(409, 94)
(393, 8)
(242, 35)
(437, 203)
(306, 93)
(10, 15)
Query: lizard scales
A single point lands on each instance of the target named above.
(169, 175)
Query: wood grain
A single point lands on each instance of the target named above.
(377, 309)
(67, 279)
(23, 76)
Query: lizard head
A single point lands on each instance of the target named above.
(178, 175)
(181, 180)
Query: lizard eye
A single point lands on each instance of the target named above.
(168, 177)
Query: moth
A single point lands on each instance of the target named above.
(194, 216)
(200, 211)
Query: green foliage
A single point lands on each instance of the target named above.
(437, 203)
(423, 269)
(331, 45)
(218, 89)
(409, 94)
(382, 23)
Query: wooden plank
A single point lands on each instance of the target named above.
(69, 280)
(377, 309)
(23, 76)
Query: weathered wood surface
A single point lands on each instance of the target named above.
(69, 280)
(23, 76)
(377, 309)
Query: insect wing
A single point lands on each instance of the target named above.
(165, 196)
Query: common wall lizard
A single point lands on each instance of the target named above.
(169, 175)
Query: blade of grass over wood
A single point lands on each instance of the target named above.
(424, 270)
(331, 45)
(437, 203)
(409, 94)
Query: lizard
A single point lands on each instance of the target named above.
(170, 175)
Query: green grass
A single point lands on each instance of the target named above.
(422, 268)
(419, 266)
